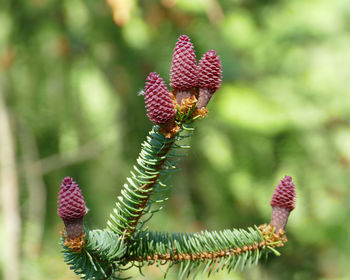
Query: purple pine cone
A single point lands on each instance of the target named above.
(284, 194)
(209, 71)
(183, 71)
(209, 77)
(71, 208)
(282, 202)
(71, 203)
(160, 107)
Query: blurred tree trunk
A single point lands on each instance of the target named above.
(9, 196)
(33, 226)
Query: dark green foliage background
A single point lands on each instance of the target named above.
(71, 78)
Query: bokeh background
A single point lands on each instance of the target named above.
(70, 76)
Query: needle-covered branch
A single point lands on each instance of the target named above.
(105, 254)
(207, 252)
(156, 161)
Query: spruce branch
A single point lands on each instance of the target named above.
(205, 251)
(104, 254)
(156, 161)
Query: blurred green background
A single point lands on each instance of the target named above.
(70, 74)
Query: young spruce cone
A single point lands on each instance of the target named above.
(282, 202)
(209, 77)
(71, 207)
(160, 107)
(183, 71)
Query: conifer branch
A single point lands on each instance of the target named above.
(157, 159)
(207, 251)
(103, 254)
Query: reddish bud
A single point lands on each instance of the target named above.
(183, 71)
(71, 207)
(209, 77)
(282, 202)
(160, 107)
(209, 71)
(284, 194)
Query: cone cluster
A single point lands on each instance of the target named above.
(188, 80)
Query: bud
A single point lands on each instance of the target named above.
(183, 71)
(160, 107)
(71, 207)
(282, 202)
(209, 77)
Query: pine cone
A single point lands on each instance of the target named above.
(209, 71)
(284, 194)
(71, 207)
(183, 71)
(282, 202)
(71, 203)
(209, 77)
(160, 107)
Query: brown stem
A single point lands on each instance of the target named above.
(175, 256)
